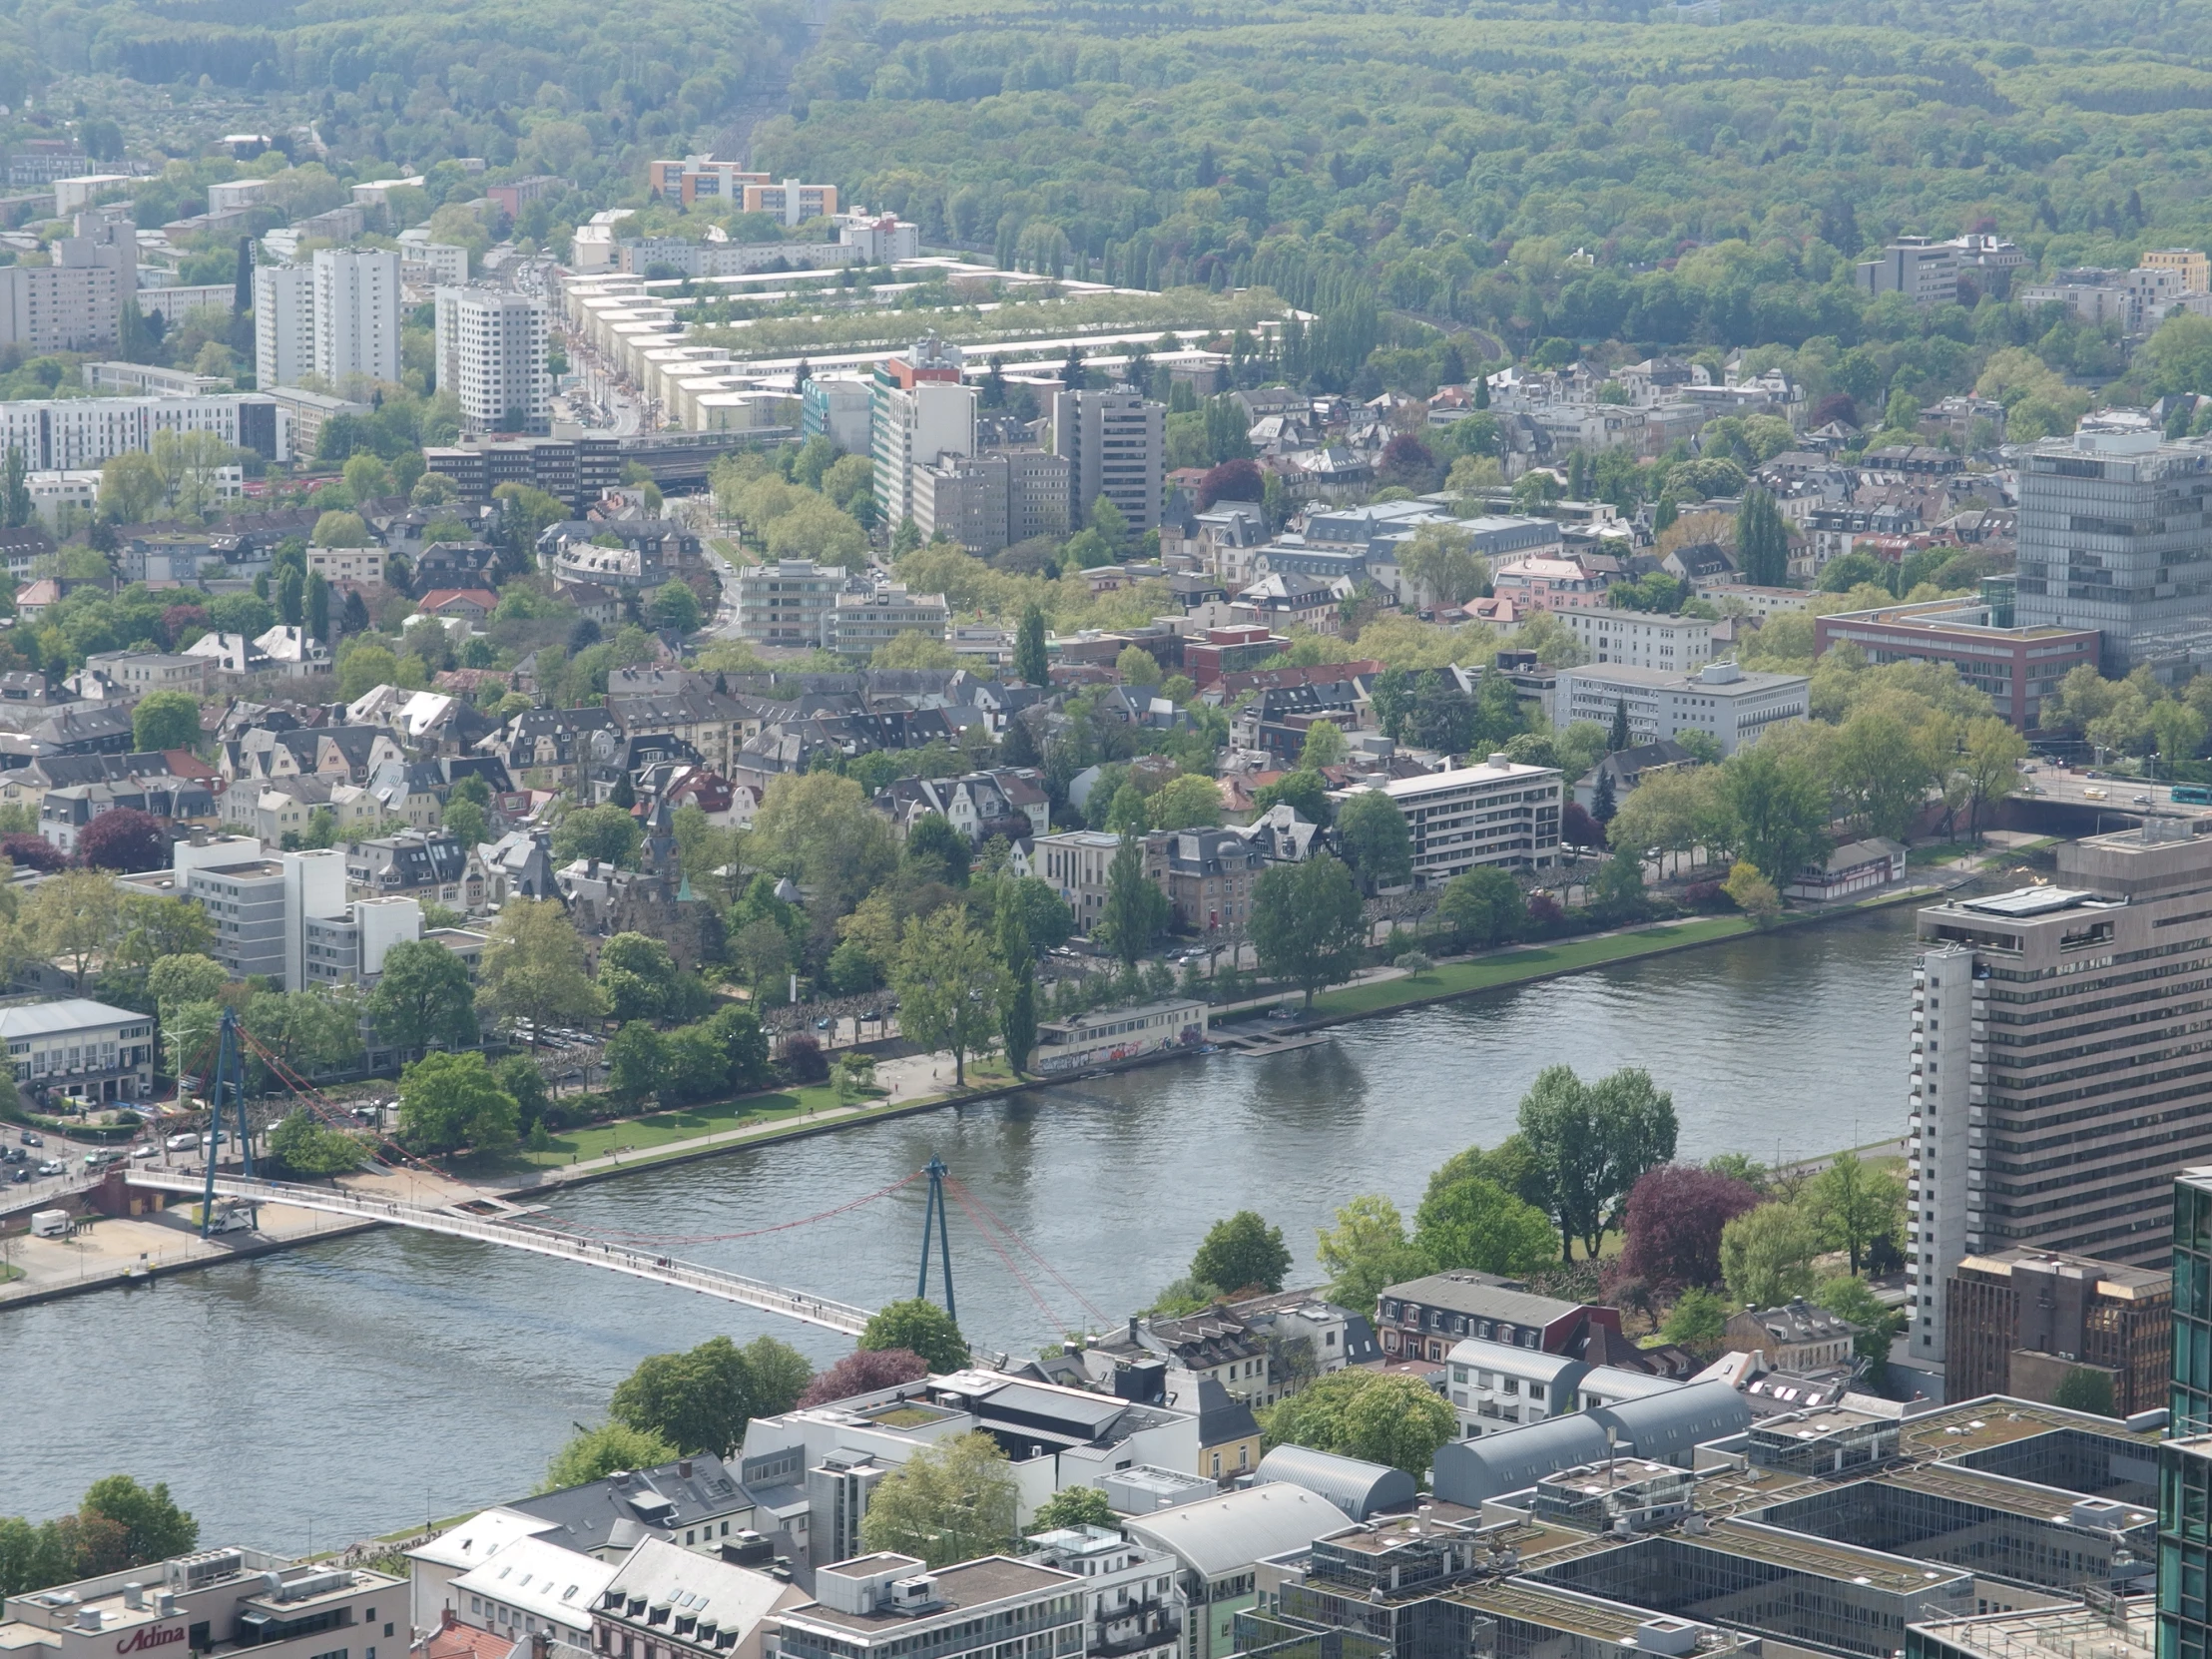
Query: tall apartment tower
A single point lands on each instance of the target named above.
(919, 413)
(2059, 1078)
(491, 356)
(1116, 446)
(283, 325)
(2115, 533)
(356, 315)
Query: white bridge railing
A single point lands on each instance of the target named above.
(617, 1258)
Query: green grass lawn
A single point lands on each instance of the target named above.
(1512, 967)
(683, 1123)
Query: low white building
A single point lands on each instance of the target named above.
(1134, 1595)
(1731, 705)
(1682, 644)
(1498, 812)
(532, 1587)
(79, 1049)
(860, 624)
(53, 490)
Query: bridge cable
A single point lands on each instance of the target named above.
(1050, 1313)
(578, 1228)
(1030, 1250)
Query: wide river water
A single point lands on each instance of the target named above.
(358, 1386)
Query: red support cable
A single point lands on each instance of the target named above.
(1020, 1278)
(1031, 1250)
(552, 1224)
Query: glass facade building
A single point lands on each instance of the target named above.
(2192, 1379)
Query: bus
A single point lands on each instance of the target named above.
(2192, 795)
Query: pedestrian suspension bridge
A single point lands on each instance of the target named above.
(639, 1256)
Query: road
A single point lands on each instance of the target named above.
(2129, 796)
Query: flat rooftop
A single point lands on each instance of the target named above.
(960, 1591)
(2002, 1492)
(1605, 1621)
(1974, 1425)
(1824, 1558)
(2130, 1632)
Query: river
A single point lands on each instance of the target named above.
(356, 1386)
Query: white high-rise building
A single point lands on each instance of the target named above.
(491, 356)
(920, 413)
(356, 315)
(283, 325)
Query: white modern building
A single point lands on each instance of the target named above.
(920, 413)
(357, 314)
(1134, 1594)
(81, 1049)
(491, 353)
(1498, 812)
(72, 435)
(51, 492)
(1638, 639)
(785, 603)
(1731, 705)
(283, 325)
(858, 623)
(215, 1603)
(533, 1587)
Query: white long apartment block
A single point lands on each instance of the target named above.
(1498, 812)
(491, 355)
(357, 314)
(1732, 705)
(68, 434)
(1682, 644)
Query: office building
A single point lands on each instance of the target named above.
(283, 325)
(991, 501)
(214, 1605)
(2022, 1322)
(1925, 272)
(576, 470)
(920, 413)
(80, 1050)
(2056, 1080)
(785, 603)
(881, 1605)
(2184, 1549)
(1116, 445)
(835, 407)
(1133, 1600)
(73, 434)
(2116, 534)
(1677, 644)
(2192, 1397)
(1731, 705)
(862, 619)
(1079, 864)
(1497, 812)
(356, 315)
(2017, 666)
(491, 356)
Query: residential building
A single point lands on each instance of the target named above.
(491, 350)
(363, 566)
(703, 178)
(1498, 1386)
(73, 304)
(1218, 1542)
(1497, 812)
(879, 239)
(78, 434)
(578, 470)
(1627, 769)
(79, 1051)
(1679, 644)
(1115, 442)
(1730, 705)
(862, 620)
(695, 1502)
(215, 1604)
(2116, 534)
(1008, 801)
(134, 674)
(356, 315)
(435, 264)
(2055, 1090)
(683, 705)
(1795, 1336)
(783, 603)
(517, 193)
(685, 1604)
(919, 413)
(65, 814)
(1549, 583)
(54, 494)
(2022, 1322)
(1133, 1596)
(835, 407)
(1924, 271)
(1423, 1318)
(415, 864)
(2018, 666)
(993, 500)
(1211, 875)
(305, 412)
(881, 1605)
(2191, 263)
(536, 1586)
(283, 325)
(1079, 862)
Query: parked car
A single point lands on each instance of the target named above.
(21, 1177)
(31, 1139)
(50, 1167)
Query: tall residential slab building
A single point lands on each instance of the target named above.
(2115, 533)
(283, 325)
(2058, 1073)
(1116, 446)
(356, 315)
(491, 356)
(918, 414)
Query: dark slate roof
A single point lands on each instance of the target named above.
(622, 1509)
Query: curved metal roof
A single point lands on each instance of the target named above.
(1222, 1536)
(1661, 1426)
(1358, 1488)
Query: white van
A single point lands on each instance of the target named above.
(182, 1143)
(50, 1224)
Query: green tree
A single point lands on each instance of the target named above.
(1481, 908)
(1136, 912)
(131, 488)
(1617, 736)
(701, 1400)
(608, 834)
(595, 1453)
(637, 974)
(1030, 663)
(1767, 1255)
(1367, 1251)
(424, 998)
(1617, 896)
(1479, 1224)
(1324, 745)
(157, 927)
(949, 981)
(319, 606)
(1308, 925)
(1442, 563)
(1849, 1297)
(166, 720)
(1398, 1421)
(1698, 1321)
(2085, 1389)
(637, 1059)
(533, 968)
(1591, 1143)
(1187, 803)
(306, 1146)
(1854, 1206)
(675, 609)
(1073, 1507)
(154, 1528)
(448, 1101)
(1778, 806)
(1306, 791)
(1240, 1253)
(15, 492)
(920, 1327)
(952, 1501)
(339, 529)
(1990, 767)
(1762, 540)
(935, 852)
(1376, 842)
(820, 830)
